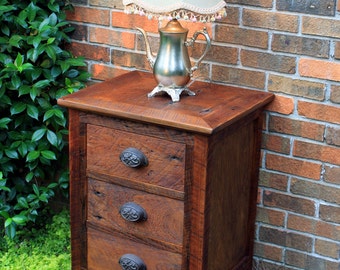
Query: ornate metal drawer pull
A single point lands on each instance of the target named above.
(133, 212)
(131, 262)
(133, 158)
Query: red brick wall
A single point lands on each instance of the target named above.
(294, 55)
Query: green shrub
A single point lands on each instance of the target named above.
(47, 248)
(35, 70)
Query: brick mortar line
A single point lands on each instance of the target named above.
(314, 238)
(315, 255)
(285, 249)
(303, 139)
(294, 231)
(284, 12)
(280, 264)
(317, 203)
(298, 158)
(295, 77)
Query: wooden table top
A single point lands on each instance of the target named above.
(211, 109)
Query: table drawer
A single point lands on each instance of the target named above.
(106, 250)
(166, 159)
(107, 204)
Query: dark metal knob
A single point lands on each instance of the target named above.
(133, 158)
(131, 262)
(133, 212)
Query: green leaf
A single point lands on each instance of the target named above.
(53, 112)
(14, 135)
(31, 197)
(44, 103)
(72, 73)
(10, 230)
(8, 222)
(5, 188)
(35, 73)
(15, 81)
(5, 58)
(24, 90)
(6, 8)
(34, 92)
(15, 41)
(62, 123)
(10, 67)
(41, 84)
(38, 134)
(51, 40)
(36, 190)
(15, 144)
(76, 61)
(52, 185)
(26, 66)
(19, 219)
(32, 55)
(44, 25)
(47, 63)
(5, 100)
(31, 11)
(64, 66)
(18, 108)
(13, 154)
(52, 138)
(33, 155)
(4, 214)
(18, 60)
(5, 30)
(53, 19)
(43, 198)
(55, 71)
(23, 149)
(22, 22)
(62, 92)
(54, 7)
(23, 202)
(3, 185)
(59, 113)
(4, 121)
(64, 185)
(36, 41)
(29, 177)
(48, 154)
(51, 52)
(33, 111)
(48, 114)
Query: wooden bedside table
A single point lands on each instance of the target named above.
(158, 185)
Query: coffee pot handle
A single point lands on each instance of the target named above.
(207, 47)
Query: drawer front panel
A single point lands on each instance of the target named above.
(105, 251)
(164, 216)
(166, 159)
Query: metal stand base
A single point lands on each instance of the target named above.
(174, 93)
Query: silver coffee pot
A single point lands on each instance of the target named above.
(172, 66)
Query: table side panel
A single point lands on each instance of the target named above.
(78, 190)
(231, 191)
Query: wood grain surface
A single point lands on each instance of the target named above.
(213, 107)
